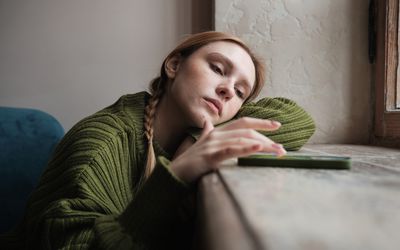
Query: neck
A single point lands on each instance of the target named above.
(169, 128)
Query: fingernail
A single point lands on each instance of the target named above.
(276, 123)
(277, 146)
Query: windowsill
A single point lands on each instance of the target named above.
(286, 208)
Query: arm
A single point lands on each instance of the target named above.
(297, 125)
(87, 197)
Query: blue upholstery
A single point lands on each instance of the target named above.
(27, 139)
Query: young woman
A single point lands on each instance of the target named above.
(124, 177)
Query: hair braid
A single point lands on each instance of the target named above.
(149, 115)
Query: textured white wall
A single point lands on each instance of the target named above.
(316, 54)
(72, 58)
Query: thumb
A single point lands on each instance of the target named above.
(207, 128)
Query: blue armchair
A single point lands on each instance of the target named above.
(27, 140)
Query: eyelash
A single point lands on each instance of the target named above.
(217, 69)
(239, 93)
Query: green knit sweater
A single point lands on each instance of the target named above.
(93, 194)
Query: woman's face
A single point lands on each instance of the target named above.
(212, 83)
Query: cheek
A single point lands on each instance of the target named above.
(232, 109)
(198, 75)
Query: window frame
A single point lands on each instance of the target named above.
(387, 115)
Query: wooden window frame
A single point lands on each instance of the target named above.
(387, 115)
(202, 15)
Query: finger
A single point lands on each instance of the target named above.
(253, 123)
(216, 145)
(266, 144)
(276, 148)
(207, 128)
(234, 151)
(246, 133)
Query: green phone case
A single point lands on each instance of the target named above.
(296, 161)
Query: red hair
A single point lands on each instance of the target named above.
(184, 50)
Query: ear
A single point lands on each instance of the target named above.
(172, 66)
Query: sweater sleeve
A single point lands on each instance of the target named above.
(297, 125)
(87, 197)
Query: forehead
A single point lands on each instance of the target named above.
(239, 57)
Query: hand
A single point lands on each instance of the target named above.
(187, 143)
(235, 139)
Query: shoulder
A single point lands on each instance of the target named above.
(121, 121)
(129, 109)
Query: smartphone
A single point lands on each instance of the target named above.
(296, 161)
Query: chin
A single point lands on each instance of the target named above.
(198, 120)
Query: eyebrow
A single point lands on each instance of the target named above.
(229, 63)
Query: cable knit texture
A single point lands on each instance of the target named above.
(297, 125)
(93, 194)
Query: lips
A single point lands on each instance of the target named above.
(215, 103)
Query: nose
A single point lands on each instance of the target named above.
(225, 91)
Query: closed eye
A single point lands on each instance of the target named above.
(239, 93)
(217, 69)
